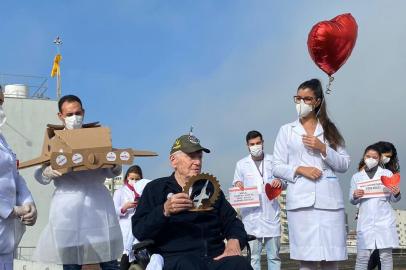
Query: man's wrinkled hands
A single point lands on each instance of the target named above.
(177, 203)
(232, 249)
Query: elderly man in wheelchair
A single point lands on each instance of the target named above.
(188, 240)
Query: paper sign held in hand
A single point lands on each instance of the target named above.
(242, 198)
(392, 181)
(372, 188)
(272, 192)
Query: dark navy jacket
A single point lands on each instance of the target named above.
(199, 233)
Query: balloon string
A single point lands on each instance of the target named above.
(330, 80)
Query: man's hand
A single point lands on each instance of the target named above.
(31, 217)
(314, 143)
(309, 172)
(232, 249)
(358, 193)
(50, 173)
(276, 183)
(177, 203)
(239, 184)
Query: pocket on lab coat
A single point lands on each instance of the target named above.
(249, 181)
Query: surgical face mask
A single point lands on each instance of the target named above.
(385, 159)
(371, 162)
(73, 122)
(3, 117)
(303, 109)
(256, 150)
(131, 182)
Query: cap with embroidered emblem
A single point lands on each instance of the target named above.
(188, 144)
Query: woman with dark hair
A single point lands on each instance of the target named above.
(389, 157)
(375, 213)
(389, 161)
(308, 152)
(125, 202)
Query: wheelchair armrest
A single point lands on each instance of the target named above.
(143, 245)
(250, 237)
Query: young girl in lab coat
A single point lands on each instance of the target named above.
(376, 225)
(389, 161)
(307, 154)
(125, 202)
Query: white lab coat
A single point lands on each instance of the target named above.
(261, 221)
(322, 197)
(13, 191)
(83, 227)
(290, 153)
(376, 225)
(121, 196)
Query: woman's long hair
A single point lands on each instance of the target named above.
(387, 147)
(331, 132)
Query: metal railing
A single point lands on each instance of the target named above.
(24, 253)
(38, 85)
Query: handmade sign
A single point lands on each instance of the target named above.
(243, 198)
(373, 188)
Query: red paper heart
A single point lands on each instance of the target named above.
(271, 192)
(392, 181)
(330, 43)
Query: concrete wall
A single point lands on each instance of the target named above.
(24, 131)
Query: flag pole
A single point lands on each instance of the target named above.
(58, 43)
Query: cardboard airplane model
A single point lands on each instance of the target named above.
(81, 149)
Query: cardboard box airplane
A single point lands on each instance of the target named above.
(87, 148)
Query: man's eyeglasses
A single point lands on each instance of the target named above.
(306, 100)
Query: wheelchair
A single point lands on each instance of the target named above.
(142, 256)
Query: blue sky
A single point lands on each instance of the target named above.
(151, 69)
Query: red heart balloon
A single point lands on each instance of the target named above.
(392, 181)
(330, 43)
(271, 192)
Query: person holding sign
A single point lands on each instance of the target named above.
(262, 221)
(308, 153)
(389, 161)
(376, 225)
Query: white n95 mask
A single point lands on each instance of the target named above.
(371, 162)
(385, 159)
(73, 122)
(3, 117)
(256, 150)
(303, 109)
